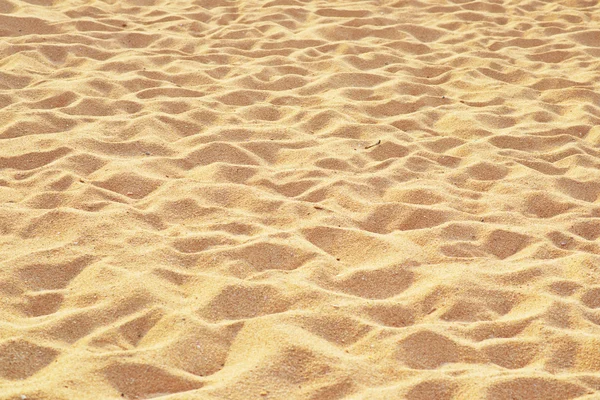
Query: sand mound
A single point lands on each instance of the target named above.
(295, 199)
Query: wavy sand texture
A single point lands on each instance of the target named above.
(298, 199)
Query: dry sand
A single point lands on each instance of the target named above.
(297, 199)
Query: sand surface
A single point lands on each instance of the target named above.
(297, 199)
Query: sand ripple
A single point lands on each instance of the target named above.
(299, 199)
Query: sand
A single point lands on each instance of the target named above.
(297, 199)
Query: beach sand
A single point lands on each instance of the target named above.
(297, 199)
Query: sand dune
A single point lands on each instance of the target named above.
(293, 199)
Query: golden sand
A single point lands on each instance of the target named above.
(293, 199)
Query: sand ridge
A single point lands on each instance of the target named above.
(299, 199)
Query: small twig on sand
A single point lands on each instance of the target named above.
(373, 145)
